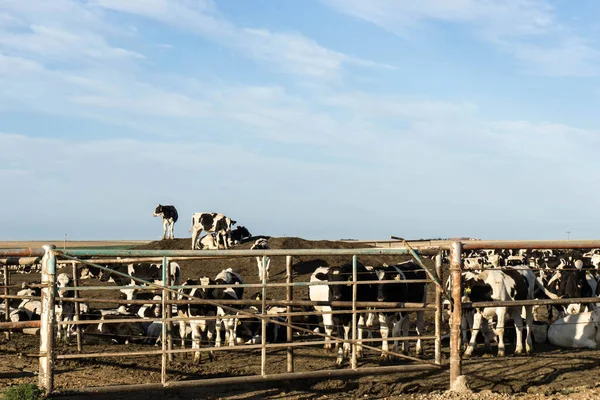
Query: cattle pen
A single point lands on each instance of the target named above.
(49, 352)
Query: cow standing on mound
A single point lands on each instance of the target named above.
(211, 222)
(169, 217)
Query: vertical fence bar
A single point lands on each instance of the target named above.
(47, 328)
(77, 309)
(6, 305)
(438, 311)
(455, 274)
(169, 316)
(163, 335)
(289, 296)
(354, 291)
(263, 353)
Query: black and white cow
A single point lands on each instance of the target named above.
(509, 284)
(211, 222)
(229, 279)
(262, 244)
(238, 234)
(343, 292)
(208, 242)
(169, 217)
(402, 292)
(118, 333)
(146, 271)
(199, 326)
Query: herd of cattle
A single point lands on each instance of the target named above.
(488, 275)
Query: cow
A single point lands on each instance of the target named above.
(403, 292)
(321, 293)
(344, 292)
(145, 271)
(211, 222)
(198, 324)
(576, 331)
(208, 242)
(249, 330)
(64, 310)
(118, 333)
(237, 235)
(511, 283)
(262, 244)
(169, 217)
(230, 278)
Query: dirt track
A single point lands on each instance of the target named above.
(550, 371)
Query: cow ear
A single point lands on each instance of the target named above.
(233, 222)
(321, 276)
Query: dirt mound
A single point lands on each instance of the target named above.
(303, 266)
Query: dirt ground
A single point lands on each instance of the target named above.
(549, 373)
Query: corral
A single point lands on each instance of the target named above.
(548, 370)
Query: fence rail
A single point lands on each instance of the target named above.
(76, 257)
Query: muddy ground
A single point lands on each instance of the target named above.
(552, 372)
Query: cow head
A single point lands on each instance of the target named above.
(158, 211)
(243, 231)
(386, 273)
(340, 274)
(260, 244)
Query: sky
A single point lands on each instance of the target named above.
(322, 119)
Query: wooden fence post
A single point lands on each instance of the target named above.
(455, 274)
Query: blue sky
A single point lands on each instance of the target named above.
(312, 118)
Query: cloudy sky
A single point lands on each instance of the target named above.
(312, 118)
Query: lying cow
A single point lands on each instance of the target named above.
(169, 217)
(211, 222)
(576, 331)
(238, 234)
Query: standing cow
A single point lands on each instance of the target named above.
(211, 222)
(169, 217)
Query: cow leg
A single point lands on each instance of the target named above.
(385, 330)
(231, 331)
(347, 346)
(182, 335)
(420, 330)
(359, 335)
(518, 320)
(165, 223)
(404, 331)
(195, 234)
(328, 326)
(172, 227)
(397, 328)
(501, 313)
(196, 341)
(218, 324)
(528, 325)
(473, 342)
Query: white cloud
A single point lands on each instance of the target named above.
(529, 30)
(288, 52)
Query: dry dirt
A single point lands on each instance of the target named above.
(549, 373)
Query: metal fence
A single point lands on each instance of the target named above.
(49, 353)
(455, 249)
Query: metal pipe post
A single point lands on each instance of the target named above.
(46, 379)
(289, 296)
(6, 305)
(163, 336)
(354, 292)
(438, 311)
(77, 309)
(169, 316)
(263, 321)
(455, 276)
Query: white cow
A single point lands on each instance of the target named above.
(576, 331)
(262, 244)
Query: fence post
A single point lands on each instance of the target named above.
(163, 335)
(77, 309)
(6, 306)
(438, 311)
(47, 328)
(455, 274)
(263, 353)
(289, 296)
(354, 291)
